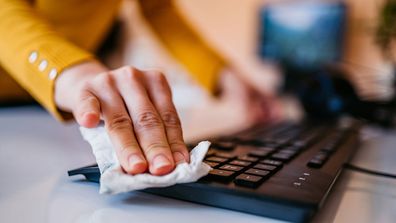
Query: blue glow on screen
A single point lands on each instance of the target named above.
(304, 35)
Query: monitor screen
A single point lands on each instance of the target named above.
(304, 35)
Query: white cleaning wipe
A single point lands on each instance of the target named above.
(114, 180)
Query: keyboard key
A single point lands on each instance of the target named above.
(321, 156)
(265, 167)
(283, 140)
(301, 143)
(315, 163)
(265, 148)
(225, 155)
(262, 173)
(261, 152)
(240, 163)
(294, 148)
(231, 167)
(248, 180)
(211, 164)
(282, 156)
(248, 158)
(272, 162)
(221, 175)
(288, 151)
(258, 153)
(216, 159)
(307, 138)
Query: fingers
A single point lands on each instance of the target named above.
(119, 127)
(87, 112)
(147, 123)
(140, 119)
(160, 93)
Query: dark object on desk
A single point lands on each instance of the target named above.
(327, 94)
(284, 171)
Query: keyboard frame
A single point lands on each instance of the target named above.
(278, 197)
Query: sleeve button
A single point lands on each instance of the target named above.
(33, 57)
(43, 65)
(52, 74)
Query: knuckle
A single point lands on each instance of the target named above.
(159, 77)
(178, 145)
(119, 121)
(147, 120)
(128, 148)
(170, 119)
(105, 80)
(129, 69)
(155, 147)
(161, 83)
(130, 73)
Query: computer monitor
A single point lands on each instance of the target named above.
(302, 35)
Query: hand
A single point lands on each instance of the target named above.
(137, 110)
(257, 107)
(237, 107)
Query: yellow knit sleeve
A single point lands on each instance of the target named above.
(180, 39)
(33, 53)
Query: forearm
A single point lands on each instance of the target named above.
(32, 52)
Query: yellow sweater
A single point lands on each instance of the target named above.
(41, 38)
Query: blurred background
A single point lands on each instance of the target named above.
(306, 58)
(283, 60)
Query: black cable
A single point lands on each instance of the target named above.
(367, 171)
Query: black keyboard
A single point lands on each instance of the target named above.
(283, 171)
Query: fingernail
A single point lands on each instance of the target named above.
(179, 157)
(136, 160)
(89, 114)
(161, 161)
(90, 119)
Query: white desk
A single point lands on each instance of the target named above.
(36, 152)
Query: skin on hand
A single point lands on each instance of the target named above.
(137, 110)
(261, 108)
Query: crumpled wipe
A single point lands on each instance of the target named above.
(114, 180)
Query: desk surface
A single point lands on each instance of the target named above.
(36, 152)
